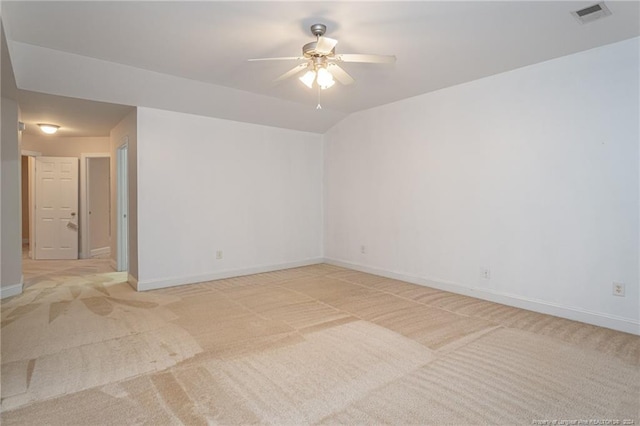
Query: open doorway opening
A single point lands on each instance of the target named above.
(27, 190)
(86, 128)
(122, 201)
(24, 182)
(95, 190)
(94, 193)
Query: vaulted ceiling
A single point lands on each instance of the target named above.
(192, 56)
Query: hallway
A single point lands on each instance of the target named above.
(39, 274)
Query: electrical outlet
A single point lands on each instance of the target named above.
(363, 250)
(618, 289)
(219, 254)
(485, 273)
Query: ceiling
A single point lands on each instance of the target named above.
(77, 117)
(192, 56)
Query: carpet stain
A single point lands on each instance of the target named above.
(44, 294)
(98, 286)
(75, 291)
(56, 309)
(98, 305)
(30, 366)
(19, 312)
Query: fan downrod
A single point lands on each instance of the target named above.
(318, 29)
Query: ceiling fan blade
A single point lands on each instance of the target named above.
(373, 59)
(341, 75)
(325, 45)
(293, 71)
(287, 58)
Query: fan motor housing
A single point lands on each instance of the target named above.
(309, 50)
(318, 29)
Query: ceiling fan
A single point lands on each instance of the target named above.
(321, 61)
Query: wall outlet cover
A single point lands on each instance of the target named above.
(618, 289)
(485, 273)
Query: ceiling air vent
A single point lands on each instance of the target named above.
(591, 13)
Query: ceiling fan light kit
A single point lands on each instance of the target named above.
(320, 62)
(321, 77)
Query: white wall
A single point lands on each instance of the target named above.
(10, 205)
(531, 173)
(207, 184)
(54, 146)
(10, 229)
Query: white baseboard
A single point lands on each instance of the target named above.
(595, 318)
(172, 282)
(133, 281)
(12, 290)
(100, 251)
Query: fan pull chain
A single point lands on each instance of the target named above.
(318, 106)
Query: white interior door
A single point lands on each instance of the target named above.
(56, 208)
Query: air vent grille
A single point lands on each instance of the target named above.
(592, 13)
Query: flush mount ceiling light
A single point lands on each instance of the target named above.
(320, 61)
(48, 128)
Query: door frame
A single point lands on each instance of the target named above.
(31, 173)
(85, 239)
(122, 206)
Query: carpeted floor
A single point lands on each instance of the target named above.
(318, 344)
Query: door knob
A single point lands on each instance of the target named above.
(73, 213)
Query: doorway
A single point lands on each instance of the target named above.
(49, 271)
(27, 188)
(122, 206)
(95, 208)
(24, 182)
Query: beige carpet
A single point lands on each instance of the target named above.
(318, 344)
